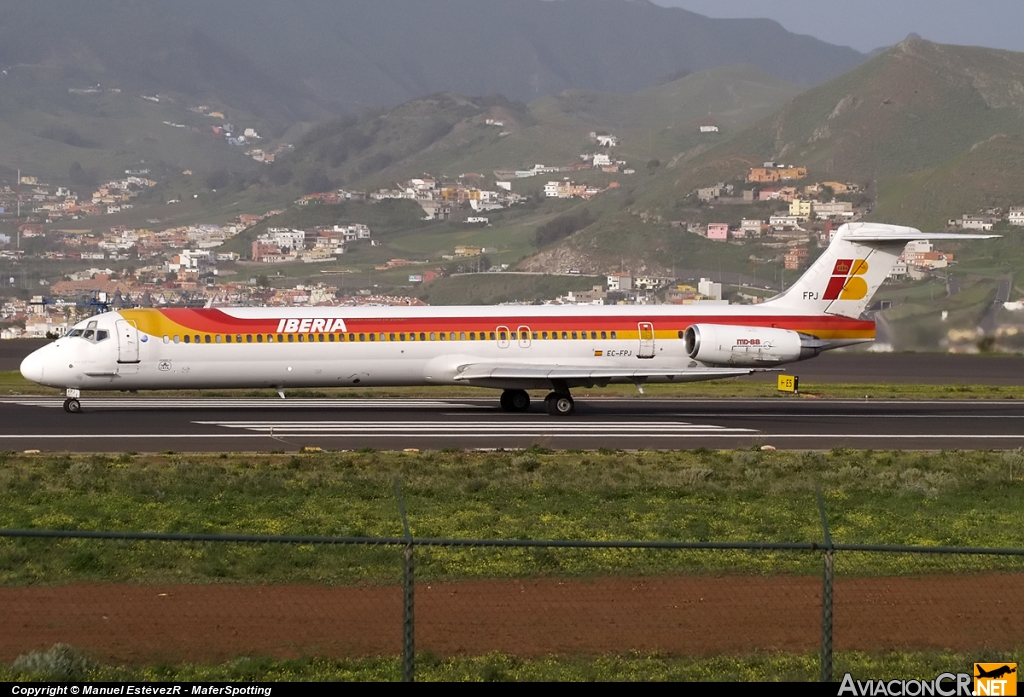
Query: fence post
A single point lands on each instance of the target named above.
(408, 623)
(826, 597)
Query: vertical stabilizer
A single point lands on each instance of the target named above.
(846, 276)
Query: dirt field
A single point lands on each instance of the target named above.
(690, 615)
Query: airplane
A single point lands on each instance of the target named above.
(511, 348)
(994, 673)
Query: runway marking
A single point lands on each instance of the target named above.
(692, 435)
(243, 403)
(539, 427)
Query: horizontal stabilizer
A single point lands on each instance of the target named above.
(874, 235)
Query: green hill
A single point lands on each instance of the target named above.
(446, 134)
(934, 127)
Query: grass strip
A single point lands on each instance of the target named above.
(953, 498)
(498, 667)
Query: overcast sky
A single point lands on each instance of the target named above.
(869, 24)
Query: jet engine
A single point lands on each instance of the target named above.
(721, 344)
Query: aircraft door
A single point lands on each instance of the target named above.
(524, 336)
(503, 333)
(127, 341)
(646, 349)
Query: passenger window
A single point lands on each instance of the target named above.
(177, 338)
(433, 336)
(513, 336)
(227, 338)
(373, 337)
(462, 336)
(604, 335)
(167, 339)
(423, 336)
(492, 336)
(544, 335)
(391, 336)
(238, 338)
(330, 337)
(187, 338)
(442, 336)
(248, 338)
(217, 338)
(301, 338)
(451, 336)
(565, 336)
(554, 335)
(208, 339)
(535, 336)
(574, 335)
(259, 338)
(472, 336)
(291, 338)
(613, 335)
(501, 335)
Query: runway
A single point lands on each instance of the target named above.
(248, 425)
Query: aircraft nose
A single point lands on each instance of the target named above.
(32, 367)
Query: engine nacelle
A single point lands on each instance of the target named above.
(722, 344)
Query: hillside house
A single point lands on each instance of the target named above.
(1016, 216)
(781, 221)
(750, 227)
(801, 208)
(834, 209)
(718, 231)
(620, 281)
(763, 175)
(976, 222)
(796, 258)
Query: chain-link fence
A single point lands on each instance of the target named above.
(145, 599)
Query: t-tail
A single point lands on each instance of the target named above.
(846, 276)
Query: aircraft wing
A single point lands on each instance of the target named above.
(481, 371)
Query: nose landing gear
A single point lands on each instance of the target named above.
(71, 404)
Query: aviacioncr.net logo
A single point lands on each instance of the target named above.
(995, 679)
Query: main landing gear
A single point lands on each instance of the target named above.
(515, 400)
(559, 403)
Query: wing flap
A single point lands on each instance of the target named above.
(564, 372)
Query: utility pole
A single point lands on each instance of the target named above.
(17, 194)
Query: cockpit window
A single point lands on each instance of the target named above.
(90, 333)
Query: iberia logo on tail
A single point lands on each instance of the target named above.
(846, 282)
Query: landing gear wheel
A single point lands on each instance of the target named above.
(559, 404)
(72, 406)
(515, 400)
